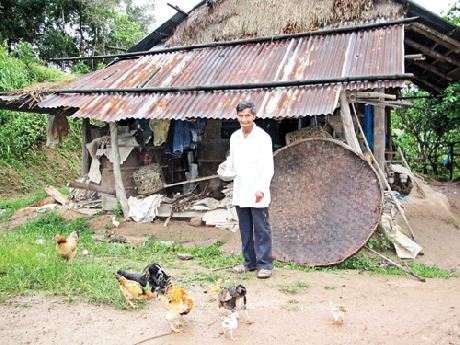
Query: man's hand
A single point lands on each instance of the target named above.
(259, 196)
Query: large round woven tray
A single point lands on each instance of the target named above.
(326, 202)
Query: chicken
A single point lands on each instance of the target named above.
(153, 274)
(157, 277)
(177, 302)
(230, 298)
(115, 222)
(67, 247)
(338, 311)
(132, 290)
(214, 289)
(140, 278)
(230, 323)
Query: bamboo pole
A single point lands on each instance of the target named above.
(344, 29)
(407, 269)
(384, 179)
(246, 86)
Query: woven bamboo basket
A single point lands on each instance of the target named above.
(327, 200)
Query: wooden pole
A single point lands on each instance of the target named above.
(119, 186)
(343, 29)
(245, 86)
(379, 133)
(407, 270)
(86, 138)
(387, 185)
(93, 187)
(347, 121)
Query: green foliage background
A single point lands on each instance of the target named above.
(25, 163)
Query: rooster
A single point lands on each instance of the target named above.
(132, 290)
(67, 247)
(228, 298)
(177, 302)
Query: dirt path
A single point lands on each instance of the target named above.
(380, 309)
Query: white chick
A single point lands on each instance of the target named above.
(230, 323)
(338, 311)
(115, 222)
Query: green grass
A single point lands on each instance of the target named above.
(30, 265)
(294, 287)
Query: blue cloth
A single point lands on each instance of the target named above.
(179, 138)
(256, 244)
(198, 125)
(369, 125)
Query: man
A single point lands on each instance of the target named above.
(251, 156)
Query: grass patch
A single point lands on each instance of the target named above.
(293, 305)
(29, 262)
(294, 287)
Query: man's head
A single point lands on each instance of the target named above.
(246, 112)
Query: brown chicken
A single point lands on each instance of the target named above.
(177, 302)
(213, 290)
(234, 298)
(67, 247)
(132, 290)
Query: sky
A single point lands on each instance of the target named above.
(435, 6)
(163, 12)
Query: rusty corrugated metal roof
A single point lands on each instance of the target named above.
(371, 53)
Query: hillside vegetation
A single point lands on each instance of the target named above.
(26, 164)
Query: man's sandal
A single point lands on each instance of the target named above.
(264, 274)
(241, 268)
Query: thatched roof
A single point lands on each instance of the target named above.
(237, 19)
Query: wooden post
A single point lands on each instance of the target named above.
(347, 121)
(119, 186)
(379, 133)
(86, 138)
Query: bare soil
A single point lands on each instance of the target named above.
(381, 309)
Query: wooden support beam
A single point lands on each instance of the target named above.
(434, 70)
(347, 121)
(93, 187)
(379, 133)
(86, 138)
(119, 186)
(441, 39)
(429, 52)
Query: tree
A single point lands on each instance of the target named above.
(61, 28)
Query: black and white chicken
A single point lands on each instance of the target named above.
(234, 298)
(153, 274)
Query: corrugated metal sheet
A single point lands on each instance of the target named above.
(354, 54)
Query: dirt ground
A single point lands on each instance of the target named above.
(381, 309)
